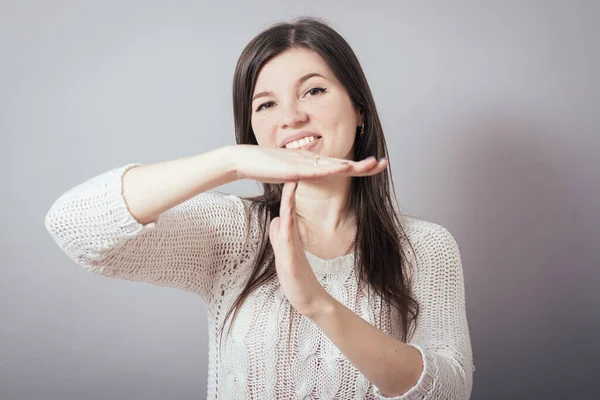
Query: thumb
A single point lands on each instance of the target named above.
(274, 231)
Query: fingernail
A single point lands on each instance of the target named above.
(370, 158)
(381, 159)
(344, 162)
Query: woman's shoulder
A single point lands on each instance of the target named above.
(251, 209)
(432, 247)
(420, 230)
(429, 240)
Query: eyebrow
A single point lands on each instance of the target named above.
(300, 81)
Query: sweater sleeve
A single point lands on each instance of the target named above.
(442, 335)
(193, 246)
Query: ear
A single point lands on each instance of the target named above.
(360, 114)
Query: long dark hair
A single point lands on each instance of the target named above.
(380, 260)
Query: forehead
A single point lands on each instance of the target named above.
(287, 67)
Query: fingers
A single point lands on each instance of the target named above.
(371, 167)
(274, 232)
(327, 166)
(281, 228)
(287, 211)
(368, 166)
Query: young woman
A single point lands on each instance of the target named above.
(323, 289)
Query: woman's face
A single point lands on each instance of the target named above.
(297, 93)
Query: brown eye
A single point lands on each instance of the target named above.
(264, 105)
(315, 91)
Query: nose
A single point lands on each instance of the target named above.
(291, 115)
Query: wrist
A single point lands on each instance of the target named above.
(325, 309)
(229, 155)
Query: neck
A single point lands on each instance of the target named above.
(324, 205)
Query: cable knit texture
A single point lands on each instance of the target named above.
(207, 246)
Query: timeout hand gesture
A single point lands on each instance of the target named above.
(298, 281)
(272, 165)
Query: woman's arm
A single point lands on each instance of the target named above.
(159, 224)
(437, 363)
(187, 244)
(150, 190)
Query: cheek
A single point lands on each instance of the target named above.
(263, 131)
(338, 116)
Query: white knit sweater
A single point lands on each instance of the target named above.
(200, 246)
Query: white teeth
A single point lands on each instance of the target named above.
(300, 143)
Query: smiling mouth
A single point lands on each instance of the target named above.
(303, 143)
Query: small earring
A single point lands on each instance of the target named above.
(362, 129)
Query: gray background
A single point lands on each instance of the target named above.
(491, 111)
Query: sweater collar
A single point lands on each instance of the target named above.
(334, 266)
